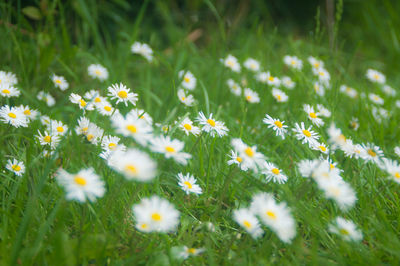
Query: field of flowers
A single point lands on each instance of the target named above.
(261, 149)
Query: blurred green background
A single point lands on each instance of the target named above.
(370, 29)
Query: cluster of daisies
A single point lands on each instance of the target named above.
(153, 142)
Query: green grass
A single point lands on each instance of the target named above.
(39, 226)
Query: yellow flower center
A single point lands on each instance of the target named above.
(131, 128)
(98, 72)
(230, 63)
(249, 151)
(47, 139)
(293, 62)
(107, 108)
(397, 175)
(60, 129)
(156, 217)
(12, 115)
(97, 99)
(248, 97)
(80, 180)
(371, 152)
(247, 224)
(306, 133)
(278, 97)
(335, 191)
(16, 167)
(239, 159)
(331, 166)
(275, 171)
(191, 250)
(316, 65)
(58, 81)
(143, 226)
(27, 112)
(211, 122)
(344, 232)
(271, 214)
(313, 115)
(85, 129)
(376, 76)
(186, 79)
(131, 169)
(5, 91)
(271, 78)
(90, 137)
(123, 94)
(169, 149)
(187, 126)
(321, 73)
(183, 98)
(322, 148)
(83, 103)
(188, 184)
(112, 146)
(278, 124)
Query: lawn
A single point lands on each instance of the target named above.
(168, 140)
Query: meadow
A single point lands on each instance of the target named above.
(137, 143)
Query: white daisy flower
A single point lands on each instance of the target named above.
(234, 87)
(274, 215)
(188, 184)
(85, 185)
(57, 128)
(372, 153)
(352, 93)
(389, 90)
(251, 96)
(323, 111)
(375, 98)
(319, 88)
(250, 157)
(143, 49)
(312, 115)
(306, 167)
(30, 114)
(188, 80)
(133, 164)
(155, 214)
(376, 76)
(83, 126)
(323, 75)
(272, 81)
(95, 97)
(279, 95)
(94, 133)
(105, 108)
(353, 150)
(262, 77)
(277, 125)
(397, 150)
(122, 94)
(336, 138)
(273, 173)
(46, 97)
(111, 143)
(187, 252)
(315, 63)
(231, 62)
(48, 139)
(293, 62)
(45, 120)
(212, 126)
(187, 126)
(97, 71)
(288, 83)
(393, 168)
(235, 159)
(252, 64)
(305, 135)
(338, 190)
(171, 148)
(60, 82)
(346, 229)
(8, 79)
(132, 126)
(246, 219)
(77, 99)
(9, 91)
(186, 99)
(14, 116)
(320, 147)
(15, 166)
